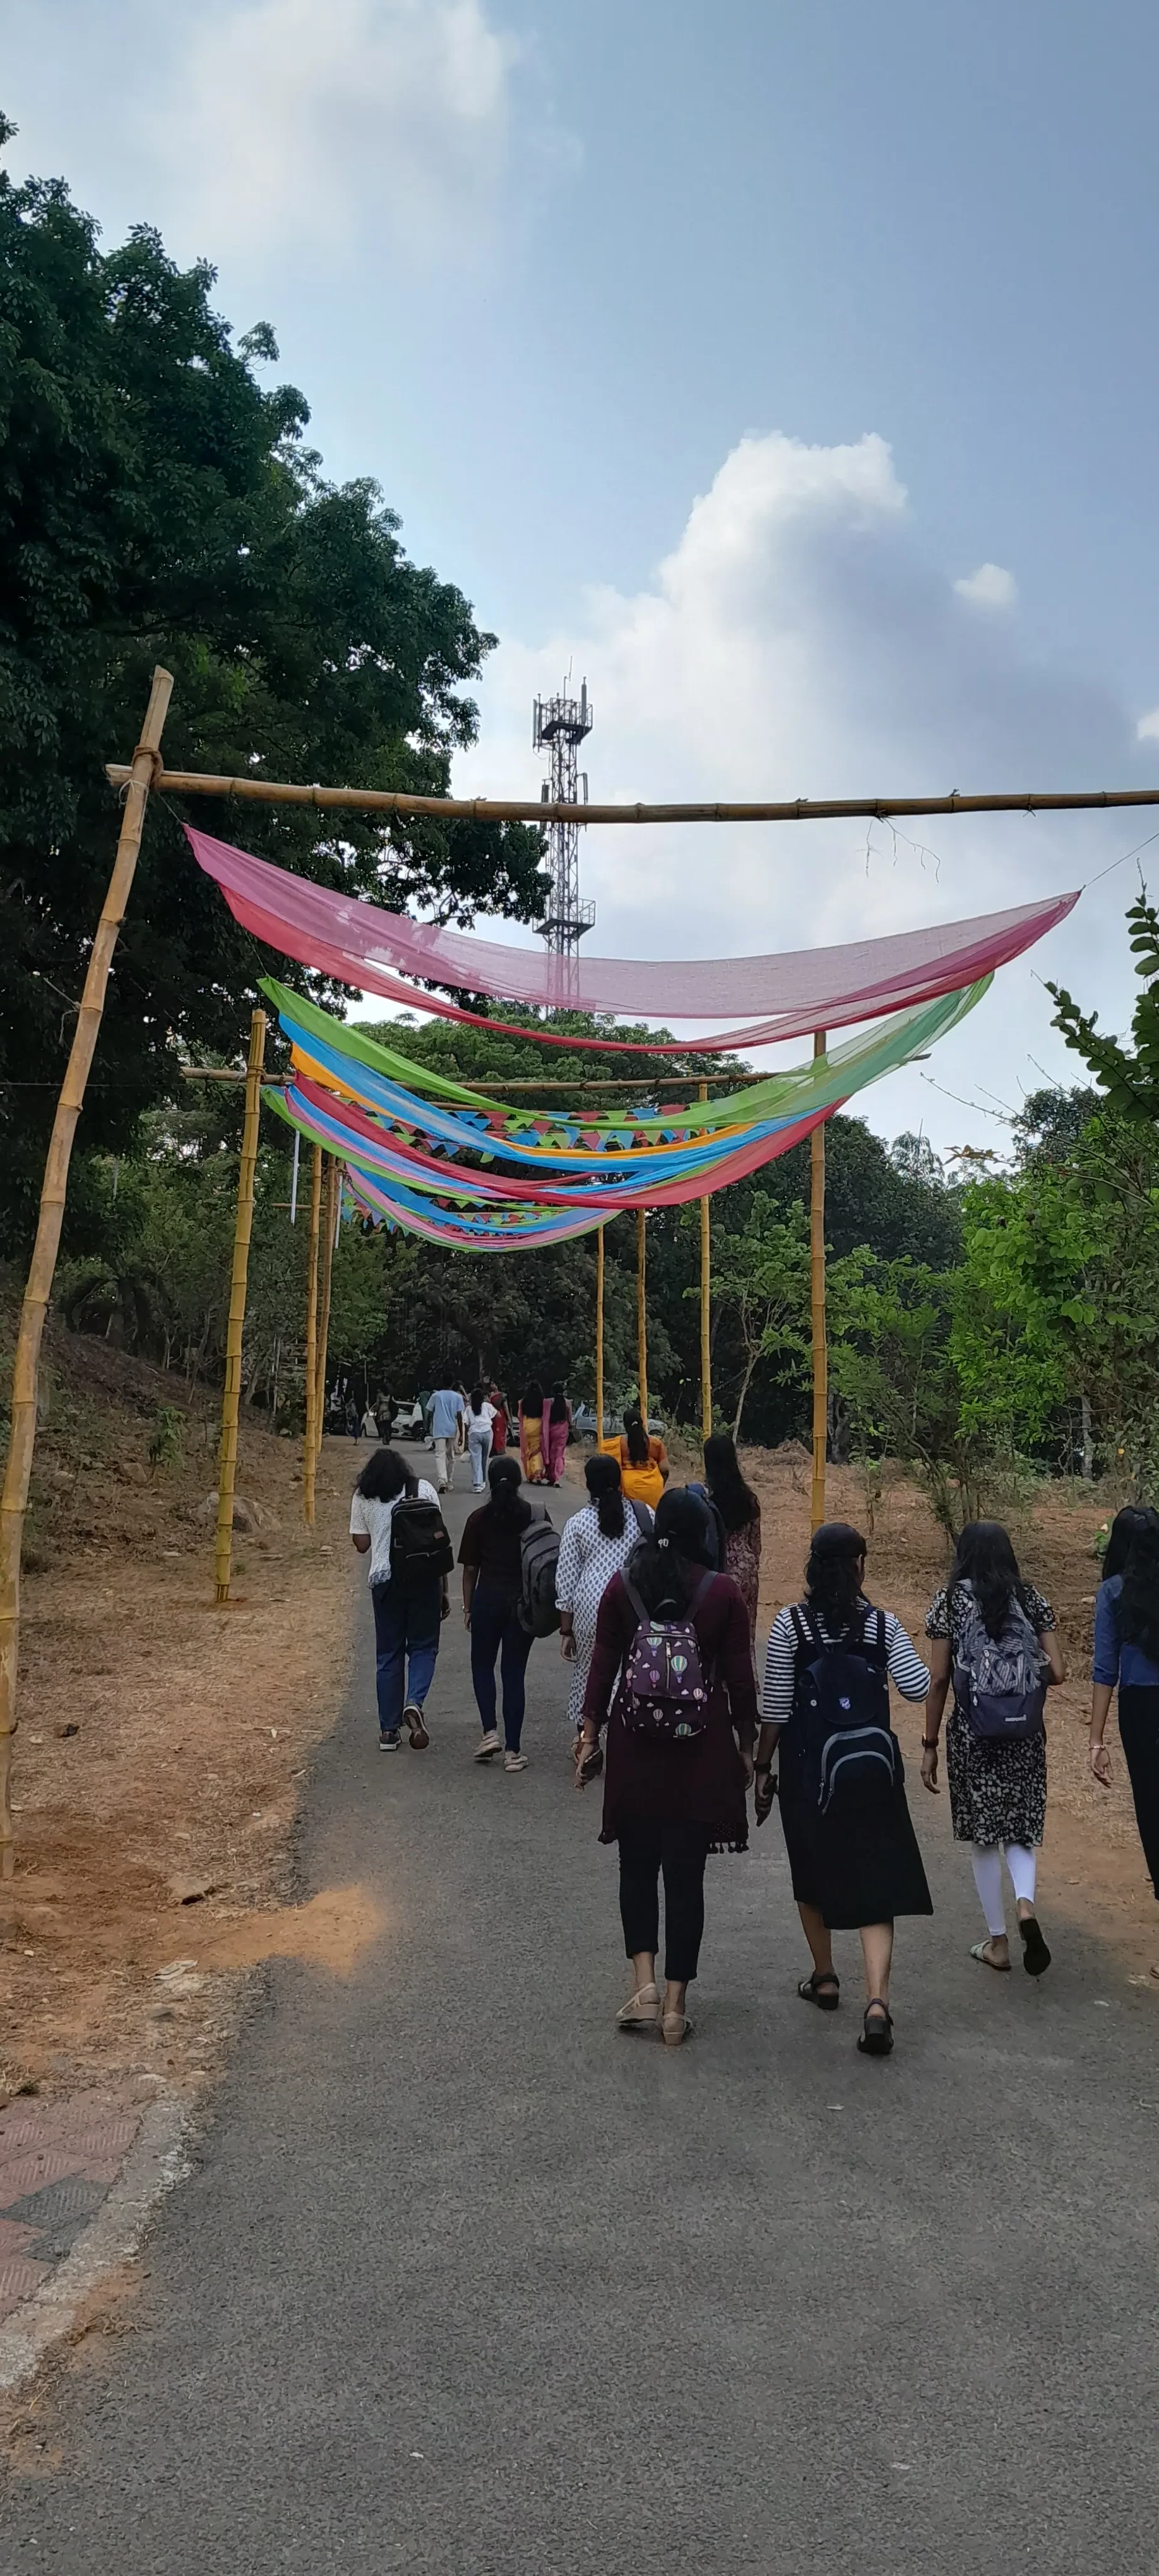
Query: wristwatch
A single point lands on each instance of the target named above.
(929, 1743)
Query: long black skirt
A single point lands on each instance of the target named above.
(854, 1869)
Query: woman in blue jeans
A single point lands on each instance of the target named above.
(491, 1559)
(1126, 1659)
(407, 1615)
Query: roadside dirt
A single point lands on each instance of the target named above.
(1092, 1867)
(163, 1743)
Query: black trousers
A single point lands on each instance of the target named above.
(680, 1851)
(1139, 1736)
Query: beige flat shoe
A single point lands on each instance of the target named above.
(642, 2010)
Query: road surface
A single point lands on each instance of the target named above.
(466, 2283)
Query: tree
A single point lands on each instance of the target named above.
(1128, 1078)
(761, 1278)
(157, 504)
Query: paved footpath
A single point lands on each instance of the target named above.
(465, 2283)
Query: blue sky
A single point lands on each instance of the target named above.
(716, 352)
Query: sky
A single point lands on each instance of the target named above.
(789, 373)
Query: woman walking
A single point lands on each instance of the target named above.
(499, 1427)
(1126, 1659)
(557, 1432)
(995, 1634)
(480, 1425)
(852, 1849)
(408, 1590)
(596, 1543)
(670, 1798)
(531, 1433)
(643, 1463)
(740, 1516)
(491, 1559)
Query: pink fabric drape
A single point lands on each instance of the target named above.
(804, 989)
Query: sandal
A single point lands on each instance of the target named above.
(675, 2028)
(1035, 1955)
(810, 1992)
(981, 1950)
(630, 2016)
(876, 2037)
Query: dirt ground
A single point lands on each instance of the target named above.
(162, 1742)
(1092, 1866)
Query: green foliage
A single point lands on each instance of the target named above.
(761, 1279)
(1128, 1079)
(167, 1445)
(158, 503)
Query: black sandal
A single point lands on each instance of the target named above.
(877, 2037)
(809, 1989)
(1035, 1955)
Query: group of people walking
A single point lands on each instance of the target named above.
(656, 1612)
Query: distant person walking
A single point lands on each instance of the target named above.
(596, 1543)
(672, 1678)
(557, 1432)
(369, 1424)
(480, 1425)
(446, 1412)
(643, 1462)
(491, 1557)
(1126, 1659)
(395, 1520)
(994, 1634)
(739, 1513)
(531, 1448)
(500, 1428)
(852, 1849)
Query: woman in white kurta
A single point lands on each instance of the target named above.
(596, 1544)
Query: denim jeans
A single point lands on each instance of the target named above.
(406, 1629)
(479, 1448)
(496, 1631)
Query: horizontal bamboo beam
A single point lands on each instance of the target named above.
(644, 1086)
(489, 809)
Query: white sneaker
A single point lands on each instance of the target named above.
(515, 1762)
(489, 1745)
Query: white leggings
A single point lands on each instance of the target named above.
(1021, 1863)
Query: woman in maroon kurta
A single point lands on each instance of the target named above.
(668, 1804)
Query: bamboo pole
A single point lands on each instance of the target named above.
(235, 1329)
(506, 809)
(140, 775)
(310, 1444)
(599, 1334)
(817, 1309)
(705, 1310)
(324, 1318)
(642, 1308)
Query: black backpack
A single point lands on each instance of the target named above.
(420, 1544)
(538, 1558)
(849, 1753)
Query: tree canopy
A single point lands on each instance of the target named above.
(158, 502)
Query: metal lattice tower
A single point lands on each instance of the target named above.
(560, 725)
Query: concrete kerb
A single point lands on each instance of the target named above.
(155, 2162)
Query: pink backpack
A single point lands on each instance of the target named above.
(664, 1694)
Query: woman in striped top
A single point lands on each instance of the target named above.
(857, 1869)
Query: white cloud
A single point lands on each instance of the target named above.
(1147, 729)
(312, 124)
(990, 587)
(795, 642)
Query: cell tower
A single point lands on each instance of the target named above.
(560, 725)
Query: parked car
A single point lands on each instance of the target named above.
(408, 1421)
(583, 1423)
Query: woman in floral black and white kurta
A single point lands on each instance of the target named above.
(588, 1558)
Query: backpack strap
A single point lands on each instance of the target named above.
(643, 1517)
(805, 1629)
(641, 1613)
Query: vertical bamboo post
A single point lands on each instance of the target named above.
(817, 1309)
(642, 1308)
(705, 1311)
(328, 1226)
(235, 1329)
(310, 1444)
(599, 1334)
(26, 1368)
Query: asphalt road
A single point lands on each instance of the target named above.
(466, 2283)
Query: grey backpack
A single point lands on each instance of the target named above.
(998, 1681)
